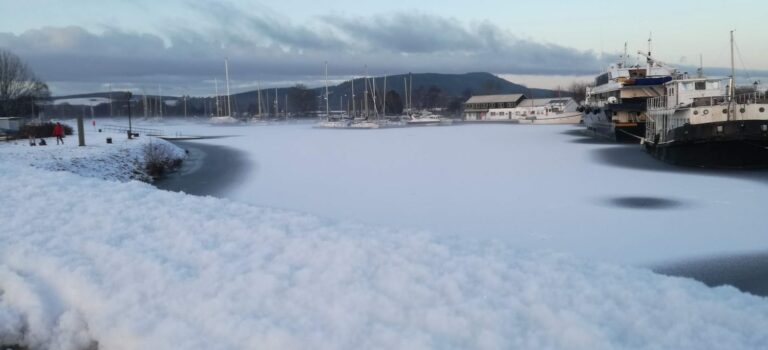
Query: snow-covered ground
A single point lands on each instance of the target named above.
(120, 161)
(85, 261)
(532, 187)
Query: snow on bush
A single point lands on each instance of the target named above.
(160, 158)
(86, 263)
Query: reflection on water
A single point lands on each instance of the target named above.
(208, 170)
(748, 272)
(632, 156)
(644, 203)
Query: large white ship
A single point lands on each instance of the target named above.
(616, 106)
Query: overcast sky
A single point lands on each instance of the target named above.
(83, 45)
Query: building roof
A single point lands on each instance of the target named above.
(541, 102)
(514, 98)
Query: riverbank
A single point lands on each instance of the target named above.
(208, 170)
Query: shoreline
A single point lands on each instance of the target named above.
(746, 272)
(208, 170)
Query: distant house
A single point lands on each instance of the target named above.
(540, 107)
(11, 125)
(477, 107)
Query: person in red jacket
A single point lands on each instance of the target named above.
(58, 131)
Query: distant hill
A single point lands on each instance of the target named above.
(430, 90)
(446, 89)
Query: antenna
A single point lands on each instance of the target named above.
(624, 59)
(701, 66)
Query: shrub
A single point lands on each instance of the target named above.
(159, 159)
(42, 130)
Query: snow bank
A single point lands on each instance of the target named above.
(125, 266)
(123, 160)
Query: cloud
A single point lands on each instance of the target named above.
(265, 46)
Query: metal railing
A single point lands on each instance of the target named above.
(123, 128)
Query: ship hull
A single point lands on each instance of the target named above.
(722, 145)
(601, 124)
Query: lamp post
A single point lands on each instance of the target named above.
(130, 125)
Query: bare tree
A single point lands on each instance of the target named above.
(578, 90)
(19, 87)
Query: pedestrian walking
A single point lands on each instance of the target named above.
(58, 132)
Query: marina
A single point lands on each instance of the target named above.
(398, 175)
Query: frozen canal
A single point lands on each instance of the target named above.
(533, 187)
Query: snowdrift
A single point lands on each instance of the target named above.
(87, 262)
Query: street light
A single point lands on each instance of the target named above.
(130, 126)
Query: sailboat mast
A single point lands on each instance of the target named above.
(366, 92)
(410, 94)
(375, 100)
(327, 103)
(353, 97)
(216, 85)
(732, 84)
(258, 86)
(160, 100)
(384, 104)
(405, 92)
(226, 73)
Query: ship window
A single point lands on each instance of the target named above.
(762, 109)
(695, 112)
(725, 111)
(742, 110)
(706, 111)
(700, 85)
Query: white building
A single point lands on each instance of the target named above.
(540, 108)
(478, 107)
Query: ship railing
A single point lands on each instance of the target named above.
(752, 98)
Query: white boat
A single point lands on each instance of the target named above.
(426, 119)
(223, 120)
(552, 119)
